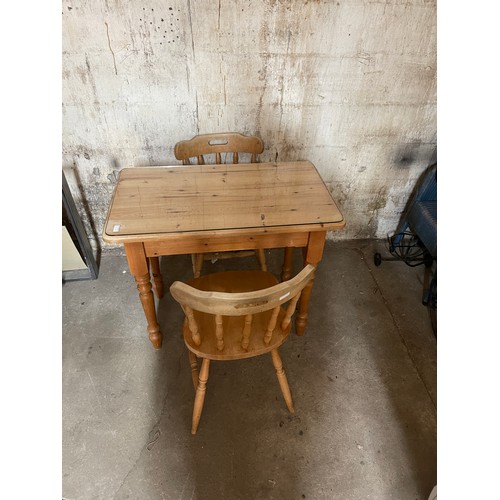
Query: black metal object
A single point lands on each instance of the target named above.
(77, 231)
(409, 249)
(415, 239)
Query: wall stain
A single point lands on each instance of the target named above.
(81, 72)
(380, 200)
(92, 81)
(282, 78)
(373, 207)
(407, 154)
(113, 177)
(263, 71)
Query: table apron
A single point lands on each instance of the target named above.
(187, 245)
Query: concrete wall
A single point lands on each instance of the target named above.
(348, 84)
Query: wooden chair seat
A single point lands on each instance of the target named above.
(236, 315)
(235, 281)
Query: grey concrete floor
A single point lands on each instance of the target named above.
(363, 379)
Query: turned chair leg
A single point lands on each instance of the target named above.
(200, 394)
(285, 389)
(193, 362)
(156, 275)
(260, 253)
(197, 262)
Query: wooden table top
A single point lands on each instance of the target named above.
(155, 202)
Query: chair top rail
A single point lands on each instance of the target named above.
(239, 304)
(231, 142)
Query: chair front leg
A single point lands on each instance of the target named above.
(280, 372)
(193, 362)
(200, 394)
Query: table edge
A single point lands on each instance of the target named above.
(305, 228)
(137, 238)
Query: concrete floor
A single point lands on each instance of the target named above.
(363, 379)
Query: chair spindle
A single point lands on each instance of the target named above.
(289, 311)
(247, 329)
(235, 157)
(193, 326)
(219, 332)
(201, 160)
(271, 324)
(218, 158)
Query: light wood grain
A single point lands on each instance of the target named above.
(153, 202)
(221, 294)
(216, 242)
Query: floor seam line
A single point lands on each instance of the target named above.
(149, 442)
(398, 329)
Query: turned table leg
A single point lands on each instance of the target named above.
(312, 256)
(138, 265)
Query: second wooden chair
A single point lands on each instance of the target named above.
(231, 145)
(236, 315)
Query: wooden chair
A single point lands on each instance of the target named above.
(200, 147)
(237, 315)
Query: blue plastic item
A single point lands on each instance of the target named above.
(415, 239)
(420, 215)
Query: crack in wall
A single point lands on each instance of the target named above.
(109, 44)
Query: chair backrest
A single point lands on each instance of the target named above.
(208, 144)
(246, 304)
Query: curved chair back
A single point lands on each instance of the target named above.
(246, 304)
(215, 144)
